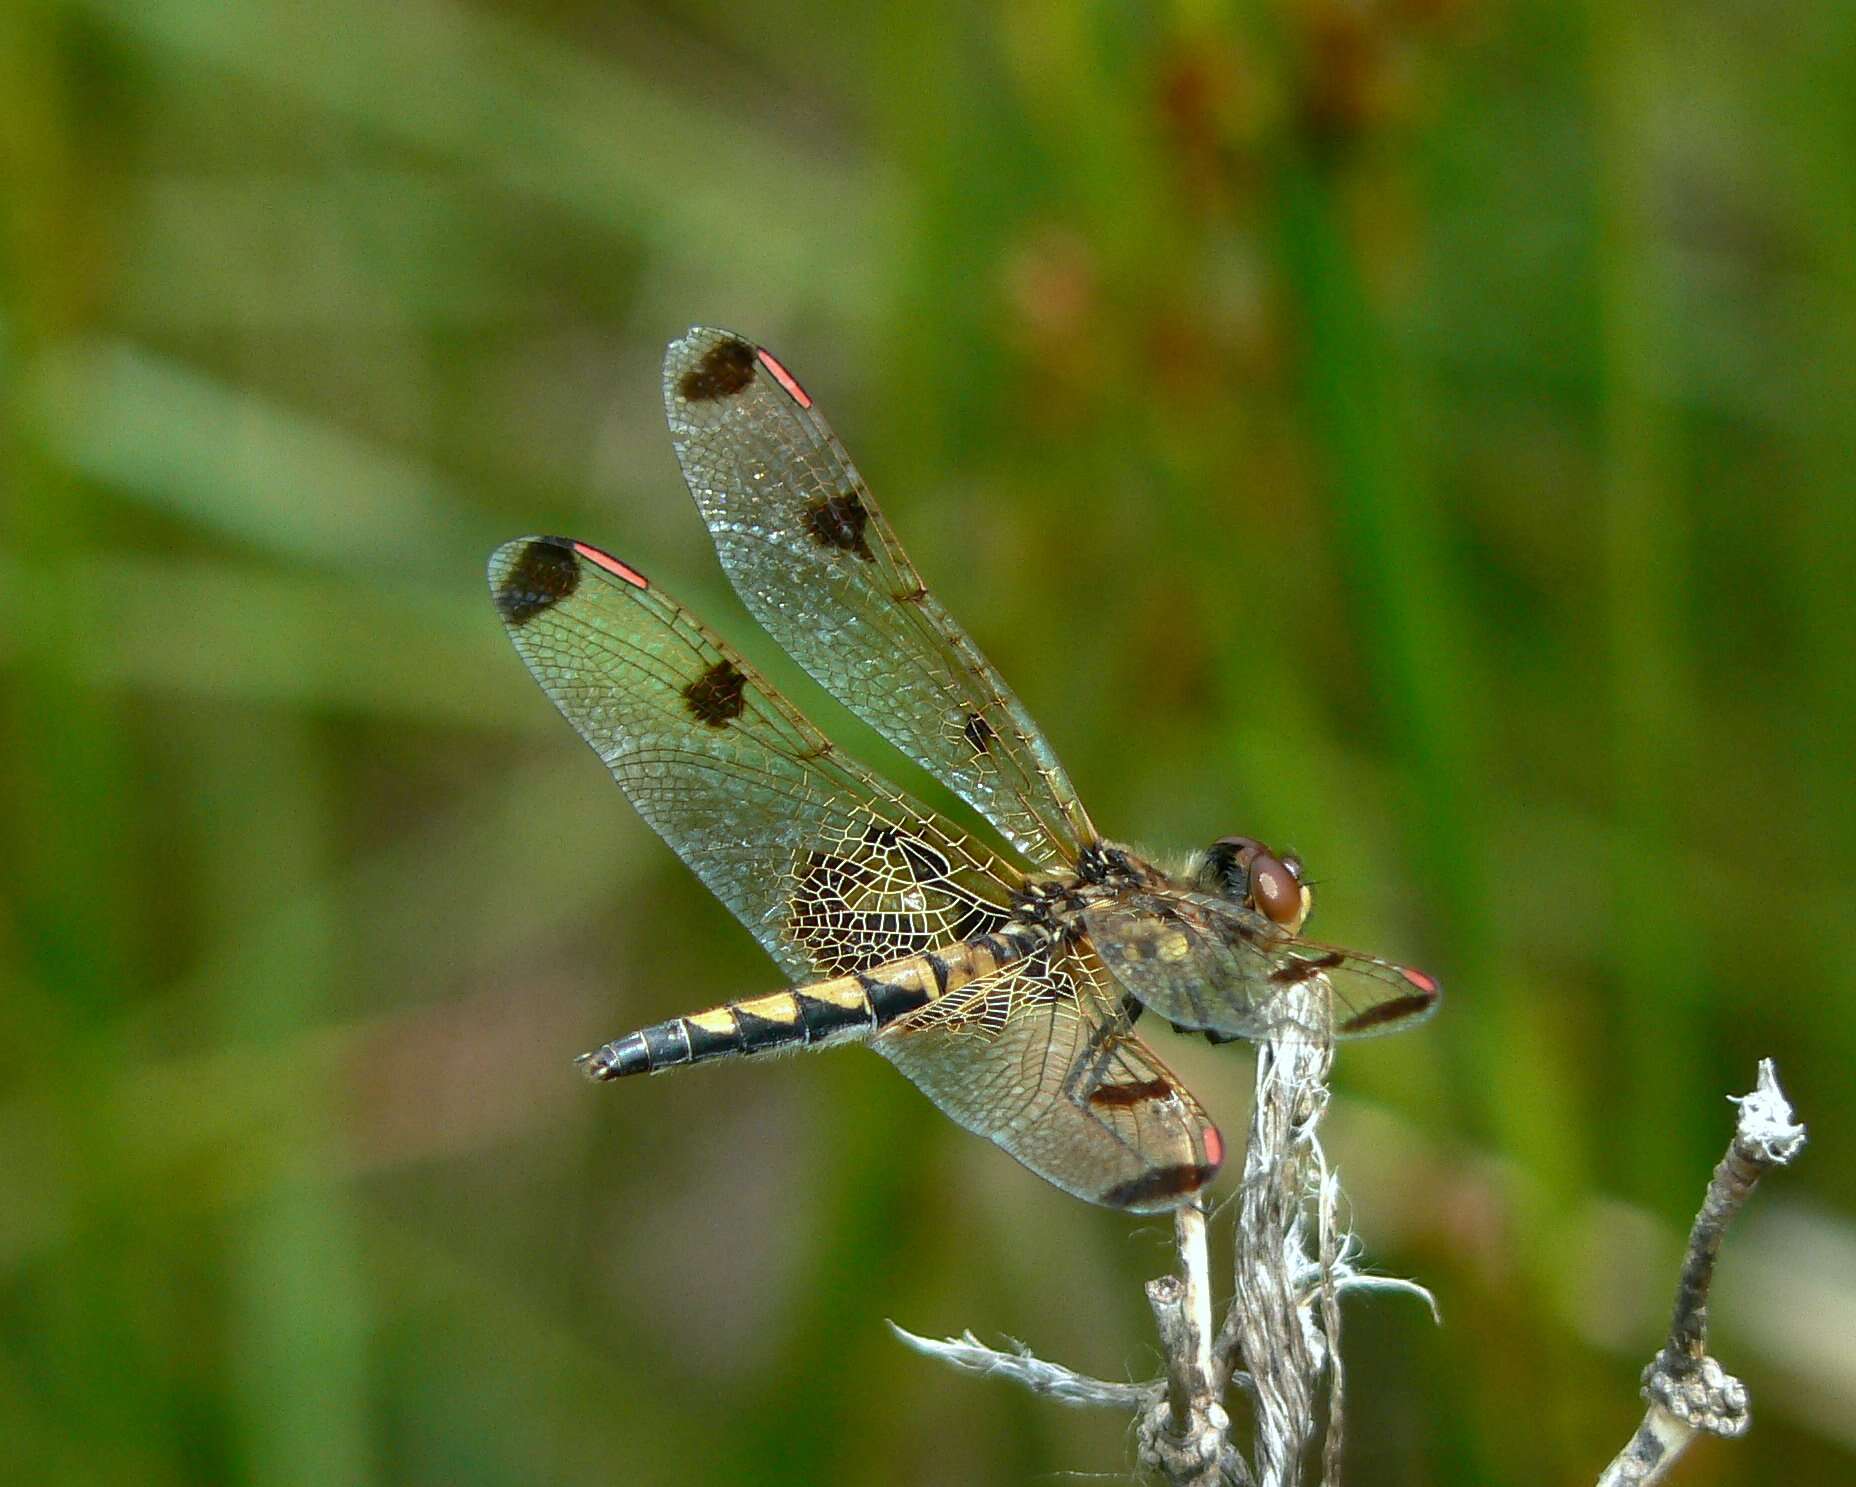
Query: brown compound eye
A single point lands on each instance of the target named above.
(1274, 888)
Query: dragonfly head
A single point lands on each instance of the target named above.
(1242, 869)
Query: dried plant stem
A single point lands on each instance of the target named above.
(1689, 1393)
(1281, 1332)
(1019, 1365)
(1276, 1325)
(1333, 1254)
(1186, 1434)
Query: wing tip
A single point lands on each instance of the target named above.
(602, 559)
(1162, 1189)
(532, 574)
(708, 364)
(1397, 1013)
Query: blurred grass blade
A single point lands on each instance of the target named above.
(238, 465)
(610, 143)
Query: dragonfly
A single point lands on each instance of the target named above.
(1003, 979)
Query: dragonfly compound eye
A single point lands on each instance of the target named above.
(1275, 889)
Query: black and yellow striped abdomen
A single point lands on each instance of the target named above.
(834, 1011)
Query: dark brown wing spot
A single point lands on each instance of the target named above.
(725, 369)
(839, 521)
(1154, 1188)
(843, 913)
(1124, 1095)
(542, 574)
(1302, 969)
(1042, 985)
(1388, 1012)
(824, 868)
(715, 697)
(924, 863)
(977, 919)
(979, 733)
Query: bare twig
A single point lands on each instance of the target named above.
(1689, 1393)
(1186, 1434)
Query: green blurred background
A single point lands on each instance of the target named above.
(1417, 433)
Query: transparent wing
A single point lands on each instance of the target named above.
(1208, 964)
(812, 557)
(1038, 1058)
(832, 868)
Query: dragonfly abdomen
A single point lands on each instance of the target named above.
(840, 1010)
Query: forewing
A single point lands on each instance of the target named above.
(832, 868)
(819, 567)
(1038, 1058)
(1207, 964)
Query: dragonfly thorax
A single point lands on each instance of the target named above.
(1052, 908)
(1055, 907)
(1106, 866)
